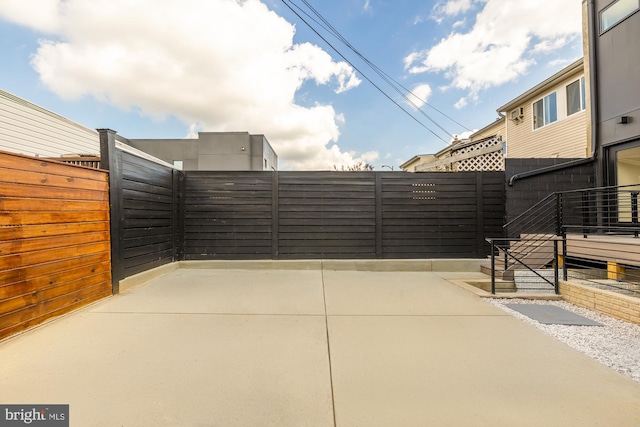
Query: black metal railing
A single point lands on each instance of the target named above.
(597, 229)
(533, 279)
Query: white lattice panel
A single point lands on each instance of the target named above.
(484, 162)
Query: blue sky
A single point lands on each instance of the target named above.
(167, 69)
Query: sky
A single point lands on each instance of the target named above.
(170, 69)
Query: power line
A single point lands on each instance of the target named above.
(388, 79)
(363, 75)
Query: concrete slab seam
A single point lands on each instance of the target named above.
(326, 324)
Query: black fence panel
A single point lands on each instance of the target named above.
(440, 215)
(327, 215)
(148, 212)
(228, 215)
(331, 215)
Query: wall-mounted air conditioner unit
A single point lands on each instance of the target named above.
(517, 115)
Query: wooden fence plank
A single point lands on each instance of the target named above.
(54, 240)
(12, 176)
(51, 167)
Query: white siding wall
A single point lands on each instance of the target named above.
(565, 138)
(28, 129)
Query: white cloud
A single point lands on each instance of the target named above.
(217, 65)
(500, 46)
(453, 7)
(561, 62)
(370, 156)
(462, 102)
(460, 23)
(462, 135)
(41, 15)
(192, 133)
(367, 5)
(422, 94)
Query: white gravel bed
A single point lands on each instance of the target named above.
(616, 344)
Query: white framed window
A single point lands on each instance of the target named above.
(545, 111)
(617, 12)
(576, 97)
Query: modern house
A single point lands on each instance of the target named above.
(614, 61)
(213, 151)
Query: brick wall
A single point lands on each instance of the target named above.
(525, 192)
(606, 302)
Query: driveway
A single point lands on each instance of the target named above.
(308, 347)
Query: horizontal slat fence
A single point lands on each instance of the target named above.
(441, 215)
(54, 240)
(326, 215)
(144, 193)
(228, 215)
(353, 215)
(149, 211)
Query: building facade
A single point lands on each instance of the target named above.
(213, 151)
(613, 31)
(550, 119)
(29, 129)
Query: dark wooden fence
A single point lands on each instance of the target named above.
(54, 240)
(160, 215)
(355, 215)
(144, 210)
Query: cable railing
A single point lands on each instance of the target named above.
(590, 235)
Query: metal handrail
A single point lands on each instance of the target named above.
(611, 210)
(493, 241)
(532, 208)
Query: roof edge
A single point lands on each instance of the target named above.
(540, 87)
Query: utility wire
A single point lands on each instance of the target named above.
(388, 79)
(380, 71)
(363, 75)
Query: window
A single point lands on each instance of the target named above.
(617, 12)
(575, 97)
(545, 111)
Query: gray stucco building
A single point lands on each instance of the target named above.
(213, 151)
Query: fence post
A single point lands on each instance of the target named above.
(111, 160)
(493, 267)
(479, 214)
(564, 255)
(379, 251)
(178, 215)
(275, 215)
(634, 211)
(556, 282)
(585, 214)
(559, 214)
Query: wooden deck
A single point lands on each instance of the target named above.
(621, 249)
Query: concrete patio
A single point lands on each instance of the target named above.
(308, 344)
